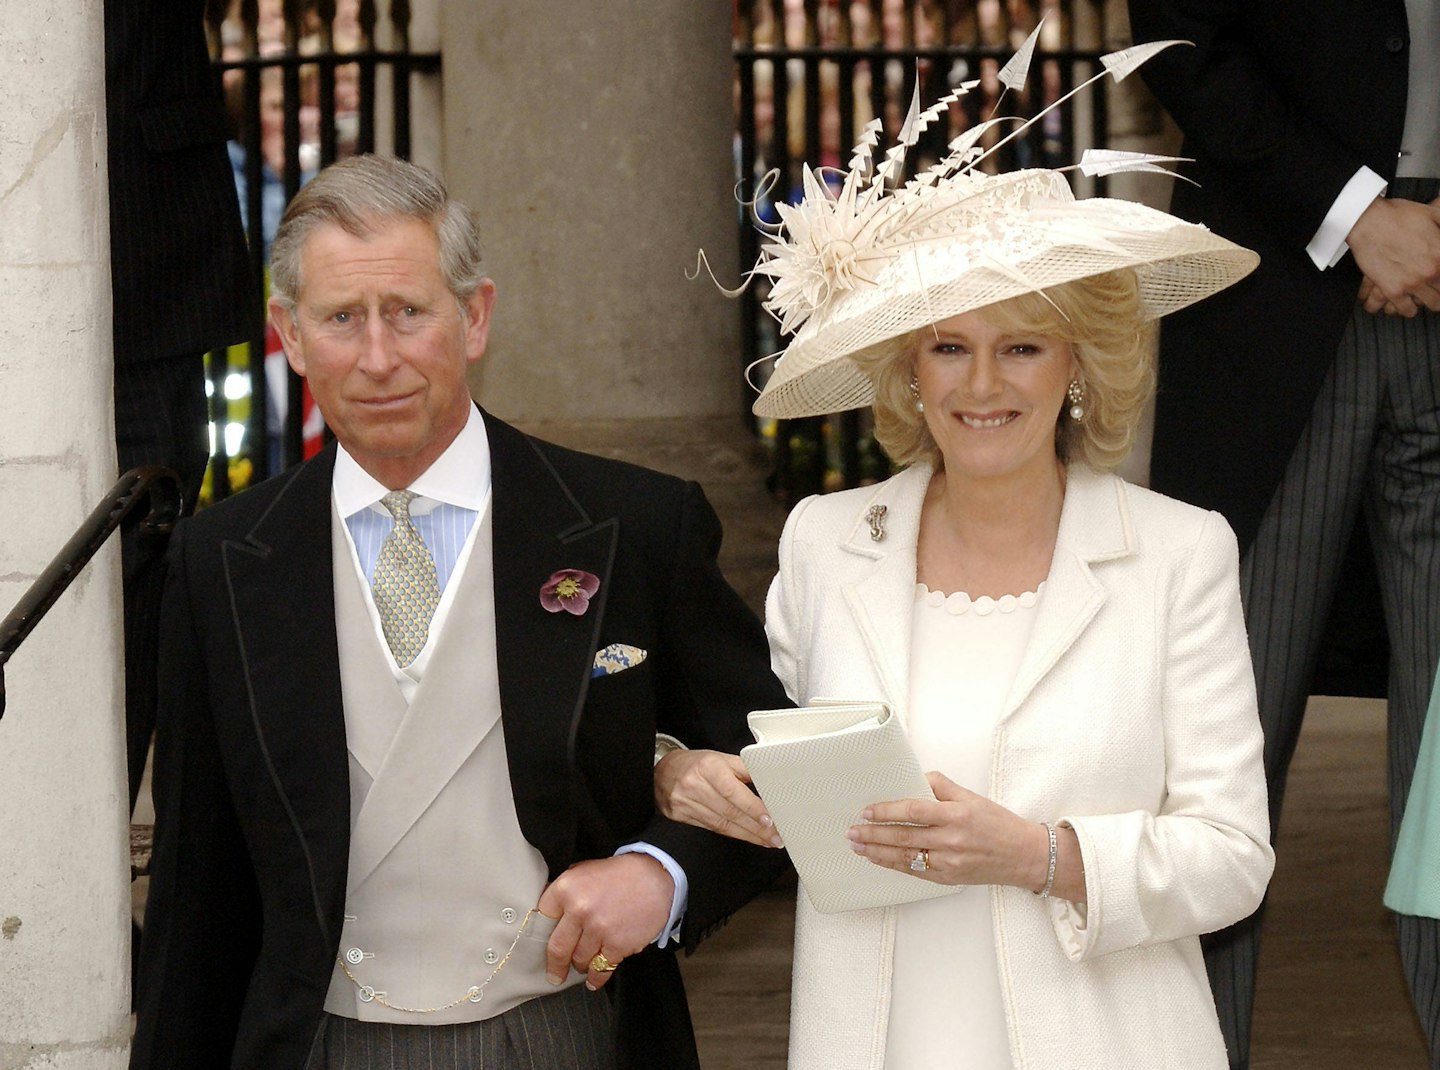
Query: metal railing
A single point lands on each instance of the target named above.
(809, 74)
(159, 486)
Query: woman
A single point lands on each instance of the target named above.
(1066, 650)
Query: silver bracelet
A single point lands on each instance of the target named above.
(1044, 893)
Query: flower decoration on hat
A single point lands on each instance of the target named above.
(570, 591)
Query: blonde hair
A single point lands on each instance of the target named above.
(1113, 345)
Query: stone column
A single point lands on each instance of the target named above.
(64, 852)
(595, 143)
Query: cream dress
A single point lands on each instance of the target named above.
(945, 1010)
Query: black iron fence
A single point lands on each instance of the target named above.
(307, 82)
(809, 74)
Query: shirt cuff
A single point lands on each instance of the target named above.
(1328, 245)
(664, 744)
(682, 888)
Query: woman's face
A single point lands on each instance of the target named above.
(992, 397)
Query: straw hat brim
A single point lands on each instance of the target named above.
(1176, 264)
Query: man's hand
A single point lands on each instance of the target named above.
(1396, 243)
(712, 789)
(612, 905)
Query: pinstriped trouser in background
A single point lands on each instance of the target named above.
(1372, 446)
(570, 1029)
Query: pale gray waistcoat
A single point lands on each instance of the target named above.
(440, 877)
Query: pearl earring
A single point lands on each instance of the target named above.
(915, 393)
(1076, 393)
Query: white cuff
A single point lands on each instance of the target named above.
(682, 888)
(1328, 245)
(664, 744)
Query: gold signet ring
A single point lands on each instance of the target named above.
(600, 964)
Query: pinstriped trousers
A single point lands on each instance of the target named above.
(570, 1029)
(1371, 448)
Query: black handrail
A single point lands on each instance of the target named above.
(160, 485)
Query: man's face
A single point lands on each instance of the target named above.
(384, 344)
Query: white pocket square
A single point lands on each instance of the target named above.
(617, 657)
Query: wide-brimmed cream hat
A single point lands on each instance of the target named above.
(877, 261)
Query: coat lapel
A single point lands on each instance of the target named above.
(279, 581)
(880, 597)
(544, 659)
(1094, 527)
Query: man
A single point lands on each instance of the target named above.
(1306, 394)
(410, 691)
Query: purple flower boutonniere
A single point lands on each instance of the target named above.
(569, 589)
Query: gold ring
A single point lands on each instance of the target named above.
(600, 964)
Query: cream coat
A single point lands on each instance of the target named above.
(1132, 718)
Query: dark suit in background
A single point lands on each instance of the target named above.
(1282, 403)
(180, 278)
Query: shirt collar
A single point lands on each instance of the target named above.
(460, 476)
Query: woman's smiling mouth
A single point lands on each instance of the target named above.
(988, 421)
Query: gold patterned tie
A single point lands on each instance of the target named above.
(406, 591)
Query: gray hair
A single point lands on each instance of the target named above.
(363, 194)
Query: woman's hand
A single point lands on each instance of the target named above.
(712, 789)
(968, 839)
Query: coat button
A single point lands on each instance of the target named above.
(508, 915)
(354, 956)
(491, 956)
(1395, 43)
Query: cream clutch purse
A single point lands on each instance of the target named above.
(817, 768)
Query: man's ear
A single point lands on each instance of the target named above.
(289, 332)
(478, 311)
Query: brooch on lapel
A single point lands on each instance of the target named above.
(876, 516)
(570, 590)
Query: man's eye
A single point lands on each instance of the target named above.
(409, 310)
(342, 317)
